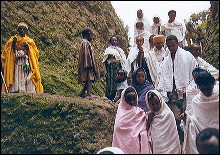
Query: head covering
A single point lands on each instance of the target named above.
(158, 38)
(163, 125)
(114, 150)
(130, 134)
(141, 89)
(22, 24)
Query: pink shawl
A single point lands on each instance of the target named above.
(130, 133)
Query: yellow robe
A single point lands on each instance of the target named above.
(8, 61)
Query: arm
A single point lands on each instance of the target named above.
(149, 120)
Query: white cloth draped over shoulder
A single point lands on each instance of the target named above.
(133, 55)
(174, 28)
(154, 59)
(184, 63)
(130, 134)
(205, 114)
(163, 134)
(118, 53)
(213, 71)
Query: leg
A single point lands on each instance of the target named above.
(82, 93)
(89, 88)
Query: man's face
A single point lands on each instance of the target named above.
(22, 30)
(156, 20)
(196, 51)
(139, 14)
(172, 45)
(172, 16)
(159, 45)
(139, 41)
(114, 41)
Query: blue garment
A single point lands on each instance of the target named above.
(141, 89)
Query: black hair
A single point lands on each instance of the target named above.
(205, 135)
(86, 32)
(151, 37)
(128, 90)
(205, 79)
(187, 48)
(142, 24)
(150, 95)
(171, 37)
(171, 11)
(199, 70)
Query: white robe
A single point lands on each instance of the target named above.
(119, 55)
(205, 114)
(213, 71)
(184, 63)
(146, 35)
(154, 59)
(163, 134)
(132, 57)
(174, 28)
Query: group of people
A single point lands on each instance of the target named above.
(169, 93)
(166, 95)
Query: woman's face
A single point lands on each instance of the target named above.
(140, 77)
(154, 104)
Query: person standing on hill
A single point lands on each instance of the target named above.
(114, 59)
(19, 60)
(87, 70)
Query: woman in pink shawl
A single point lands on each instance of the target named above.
(130, 133)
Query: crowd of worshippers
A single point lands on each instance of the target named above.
(166, 94)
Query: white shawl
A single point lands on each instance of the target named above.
(118, 53)
(163, 134)
(213, 71)
(154, 63)
(205, 114)
(132, 57)
(184, 63)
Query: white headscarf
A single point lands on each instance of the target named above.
(114, 150)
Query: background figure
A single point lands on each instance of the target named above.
(151, 43)
(144, 33)
(114, 59)
(87, 69)
(110, 150)
(207, 141)
(142, 86)
(192, 89)
(195, 50)
(190, 36)
(156, 26)
(19, 60)
(161, 125)
(137, 58)
(172, 27)
(122, 84)
(141, 18)
(130, 134)
(205, 112)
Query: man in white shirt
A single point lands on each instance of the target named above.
(172, 27)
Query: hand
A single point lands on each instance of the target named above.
(26, 45)
(14, 43)
(150, 119)
(183, 116)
